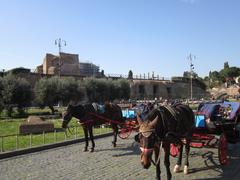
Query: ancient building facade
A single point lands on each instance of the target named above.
(89, 69)
(66, 64)
(151, 89)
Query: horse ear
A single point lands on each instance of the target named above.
(139, 119)
(154, 122)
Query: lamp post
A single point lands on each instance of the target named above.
(59, 42)
(190, 58)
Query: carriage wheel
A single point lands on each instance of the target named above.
(124, 133)
(222, 150)
(173, 150)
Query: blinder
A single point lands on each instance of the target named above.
(150, 140)
(147, 133)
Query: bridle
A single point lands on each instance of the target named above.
(66, 121)
(157, 141)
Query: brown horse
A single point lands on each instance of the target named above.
(90, 115)
(160, 128)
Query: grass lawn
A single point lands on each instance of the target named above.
(11, 140)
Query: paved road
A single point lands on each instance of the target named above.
(105, 163)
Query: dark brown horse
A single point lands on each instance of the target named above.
(90, 115)
(160, 128)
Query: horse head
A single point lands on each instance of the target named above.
(78, 111)
(147, 139)
(67, 116)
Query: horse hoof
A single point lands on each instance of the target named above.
(85, 150)
(177, 168)
(185, 170)
(91, 150)
(114, 144)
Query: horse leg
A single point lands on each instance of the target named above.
(86, 138)
(166, 160)
(115, 132)
(179, 160)
(186, 163)
(90, 129)
(157, 160)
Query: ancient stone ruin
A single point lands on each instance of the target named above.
(35, 124)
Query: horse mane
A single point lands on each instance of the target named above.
(152, 115)
(81, 110)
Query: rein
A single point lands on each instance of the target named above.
(147, 150)
(104, 119)
(68, 129)
(158, 159)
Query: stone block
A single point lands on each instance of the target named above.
(35, 125)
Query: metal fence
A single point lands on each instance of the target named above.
(18, 141)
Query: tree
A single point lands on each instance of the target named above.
(16, 92)
(47, 92)
(23, 95)
(229, 73)
(101, 90)
(215, 76)
(188, 74)
(70, 90)
(1, 95)
(97, 90)
(124, 89)
(18, 70)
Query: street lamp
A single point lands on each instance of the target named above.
(190, 58)
(59, 42)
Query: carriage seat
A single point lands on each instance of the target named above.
(210, 110)
(98, 108)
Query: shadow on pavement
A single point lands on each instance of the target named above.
(229, 171)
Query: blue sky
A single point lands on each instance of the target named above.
(119, 35)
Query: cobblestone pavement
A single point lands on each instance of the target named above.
(122, 162)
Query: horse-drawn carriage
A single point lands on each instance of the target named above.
(215, 126)
(131, 124)
(130, 116)
(212, 124)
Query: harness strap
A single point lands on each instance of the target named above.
(95, 106)
(146, 150)
(171, 135)
(172, 111)
(158, 159)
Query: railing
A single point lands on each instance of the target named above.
(139, 77)
(19, 141)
